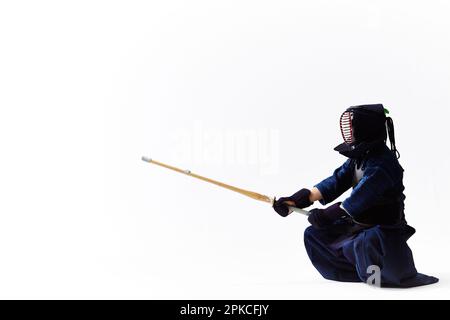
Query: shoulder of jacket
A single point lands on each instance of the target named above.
(387, 162)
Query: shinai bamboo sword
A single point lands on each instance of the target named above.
(251, 194)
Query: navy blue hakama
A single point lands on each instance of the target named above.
(345, 252)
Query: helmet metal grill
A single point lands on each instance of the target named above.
(346, 127)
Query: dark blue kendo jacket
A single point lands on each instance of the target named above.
(378, 197)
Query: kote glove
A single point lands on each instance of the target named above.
(300, 199)
(320, 218)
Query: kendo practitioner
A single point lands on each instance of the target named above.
(368, 228)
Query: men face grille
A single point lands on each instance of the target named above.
(346, 127)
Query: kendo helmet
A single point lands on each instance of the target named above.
(364, 127)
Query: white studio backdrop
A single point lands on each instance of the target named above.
(246, 92)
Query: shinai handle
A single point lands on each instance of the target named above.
(294, 209)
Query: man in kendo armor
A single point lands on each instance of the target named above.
(368, 228)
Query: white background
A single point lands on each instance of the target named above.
(88, 87)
